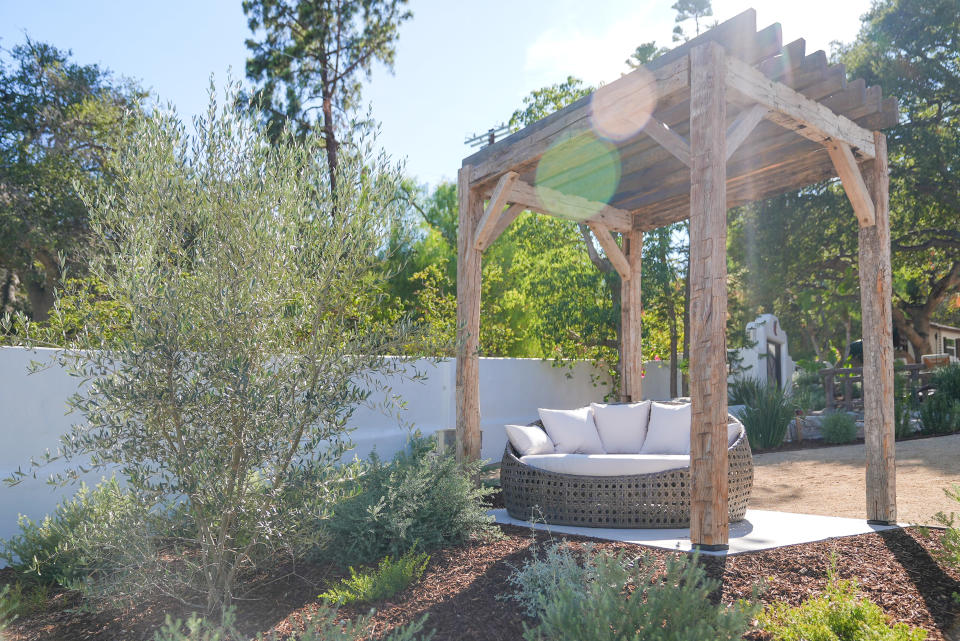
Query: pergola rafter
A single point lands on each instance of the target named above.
(728, 118)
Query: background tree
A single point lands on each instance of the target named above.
(801, 248)
(911, 49)
(696, 10)
(308, 57)
(58, 122)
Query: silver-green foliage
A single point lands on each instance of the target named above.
(78, 541)
(838, 427)
(250, 290)
(390, 577)
(617, 597)
(421, 498)
(323, 626)
(548, 569)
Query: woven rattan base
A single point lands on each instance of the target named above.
(660, 500)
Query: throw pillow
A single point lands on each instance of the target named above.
(622, 427)
(572, 431)
(529, 439)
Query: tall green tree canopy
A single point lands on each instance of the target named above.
(58, 122)
(912, 49)
(308, 58)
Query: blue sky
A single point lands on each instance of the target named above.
(461, 67)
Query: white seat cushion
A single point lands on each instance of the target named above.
(623, 427)
(529, 439)
(572, 431)
(606, 464)
(733, 431)
(669, 430)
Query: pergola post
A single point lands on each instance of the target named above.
(709, 518)
(875, 275)
(468, 320)
(631, 308)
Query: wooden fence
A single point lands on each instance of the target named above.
(839, 384)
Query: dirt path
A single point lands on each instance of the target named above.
(830, 481)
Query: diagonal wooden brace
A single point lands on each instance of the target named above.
(612, 249)
(498, 199)
(853, 183)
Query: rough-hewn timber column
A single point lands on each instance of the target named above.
(468, 321)
(709, 519)
(878, 344)
(631, 370)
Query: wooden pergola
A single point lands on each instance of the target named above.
(728, 118)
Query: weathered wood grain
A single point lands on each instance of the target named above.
(852, 179)
(468, 320)
(498, 200)
(613, 251)
(875, 295)
(709, 527)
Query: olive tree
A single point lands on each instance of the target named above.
(248, 346)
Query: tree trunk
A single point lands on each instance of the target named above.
(8, 295)
(672, 322)
(686, 326)
(913, 321)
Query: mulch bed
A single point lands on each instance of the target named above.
(895, 569)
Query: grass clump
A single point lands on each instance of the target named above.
(389, 578)
(9, 605)
(766, 417)
(950, 542)
(613, 597)
(422, 498)
(839, 614)
(838, 427)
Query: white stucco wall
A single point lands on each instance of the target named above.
(32, 414)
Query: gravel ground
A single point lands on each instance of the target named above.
(830, 481)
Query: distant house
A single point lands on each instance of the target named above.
(946, 339)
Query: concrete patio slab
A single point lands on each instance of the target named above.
(760, 530)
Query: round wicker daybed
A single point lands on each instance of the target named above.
(657, 500)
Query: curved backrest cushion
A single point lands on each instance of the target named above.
(669, 429)
(529, 440)
(572, 431)
(733, 431)
(622, 427)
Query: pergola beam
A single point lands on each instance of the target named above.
(531, 143)
(792, 110)
(739, 129)
(853, 184)
(670, 140)
(494, 210)
(611, 249)
(555, 203)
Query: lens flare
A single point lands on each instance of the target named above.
(621, 109)
(578, 175)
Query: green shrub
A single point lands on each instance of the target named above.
(421, 498)
(630, 599)
(939, 414)
(838, 427)
(946, 381)
(904, 404)
(744, 391)
(390, 578)
(547, 572)
(767, 417)
(323, 626)
(839, 614)
(808, 392)
(64, 548)
(950, 542)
